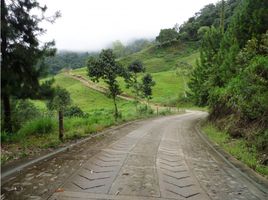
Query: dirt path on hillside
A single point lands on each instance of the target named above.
(124, 96)
(94, 86)
(163, 158)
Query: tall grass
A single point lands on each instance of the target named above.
(42, 125)
(238, 147)
(42, 132)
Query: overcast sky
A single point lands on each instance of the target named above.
(90, 25)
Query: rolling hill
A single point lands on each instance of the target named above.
(161, 63)
(163, 58)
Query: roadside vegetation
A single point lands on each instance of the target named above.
(231, 79)
(238, 147)
(40, 133)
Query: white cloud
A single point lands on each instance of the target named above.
(93, 24)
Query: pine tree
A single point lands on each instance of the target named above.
(250, 19)
(206, 74)
(21, 51)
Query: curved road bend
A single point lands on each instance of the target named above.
(162, 158)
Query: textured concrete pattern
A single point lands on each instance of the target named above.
(162, 158)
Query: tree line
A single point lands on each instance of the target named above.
(195, 27)
(231, 76)
(66, 60)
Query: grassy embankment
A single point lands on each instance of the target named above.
(238, 147)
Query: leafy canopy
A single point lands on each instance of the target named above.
(131, 78)
(105, 67)
(167, 35)
(20, 48)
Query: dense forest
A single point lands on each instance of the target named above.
(67, 60)
(195, 27)
(210, 15)
(231, 77)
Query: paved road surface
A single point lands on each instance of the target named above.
(161, 158)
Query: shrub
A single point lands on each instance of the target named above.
(24, 111)
(119, 115)
(144, 109)
(262, 141)
(165, 112)
(5, 137)
(74, 111)
(38, 126)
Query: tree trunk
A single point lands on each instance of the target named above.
(7, 126)
(7, 113)
(115, 109)
(61, 130)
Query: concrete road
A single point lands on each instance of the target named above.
(163, 158)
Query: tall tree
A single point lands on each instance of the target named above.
(21, 51)
(206, 73)
(105, 67)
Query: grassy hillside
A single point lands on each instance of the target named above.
(168, 85)
(87, 99)
(157, 59)
(161, 63)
